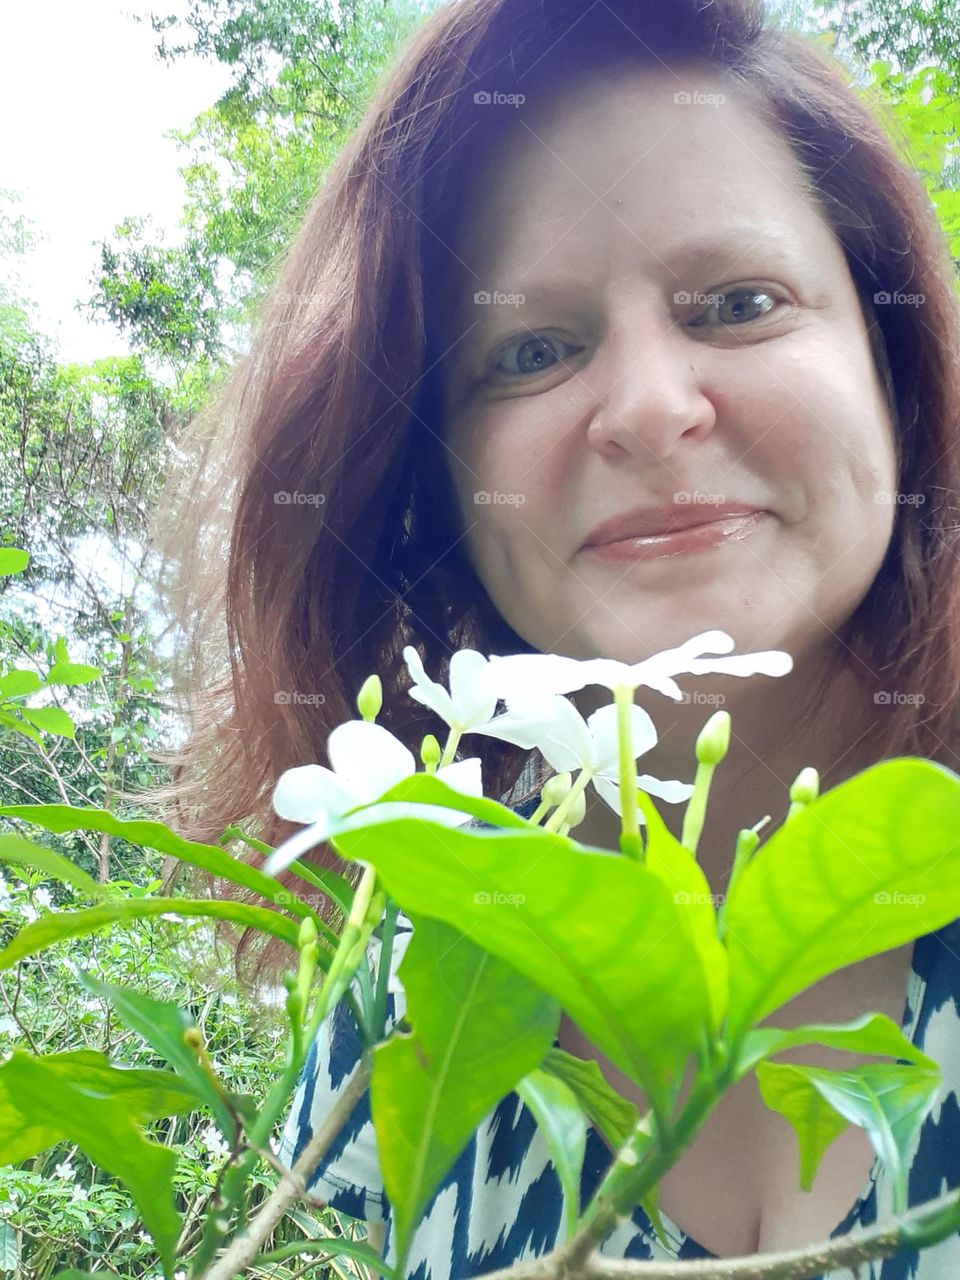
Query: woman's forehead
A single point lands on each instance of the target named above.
(680, 171)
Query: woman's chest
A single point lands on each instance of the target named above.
(736, 1189)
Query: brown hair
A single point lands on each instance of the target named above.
(288, 605)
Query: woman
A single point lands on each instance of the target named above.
(581, 275)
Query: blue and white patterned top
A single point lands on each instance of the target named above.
(501, 1202)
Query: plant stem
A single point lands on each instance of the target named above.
(696, 809)
(630, 842)
(925, 1225)
(450, 750)
(244, 1248)
(353, 940)
(557, 818)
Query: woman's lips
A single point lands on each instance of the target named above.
(681, 542)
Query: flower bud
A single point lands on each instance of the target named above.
(370, 697)
(806, 786)
(430, 752)
(577, 811)
(556, 788)
(308, 932)
(714, 739)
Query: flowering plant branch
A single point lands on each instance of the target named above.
(524, 923)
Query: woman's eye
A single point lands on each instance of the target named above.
(738, 305)
(531, 355)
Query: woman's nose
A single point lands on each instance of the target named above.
(648, 397)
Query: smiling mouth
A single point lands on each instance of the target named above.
(691, 539)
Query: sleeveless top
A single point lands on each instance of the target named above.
(501, 1201)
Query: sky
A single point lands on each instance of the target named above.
(93, 102)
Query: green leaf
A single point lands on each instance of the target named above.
(59, 925)
(18, 683)
(425, 788)
(155, 835)
(787, 1089)
(327, 1247)
(13, 560)
(15, 725)
(613, 1115)
(334, 886)
(144, 1093)
(678, 868)
(478, 1028)
(870, 1033)
(889, 1101)
(49, 720)
(95, 1107)
(868, 866)
(559, 1114)
(72, 673)
(598, 931)
(14, 848)
(162, 1025)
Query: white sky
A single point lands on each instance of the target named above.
(92, 102)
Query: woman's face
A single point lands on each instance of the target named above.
(606, 374)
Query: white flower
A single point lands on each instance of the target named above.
(213, 1141)
(472, 699)
(567, 741)
(64, 1170)
(77, 1193)
(517, 675)
(43, 897)
(6, 902)
(367, 761)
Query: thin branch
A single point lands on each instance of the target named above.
(930, 1222)
(245, 1248)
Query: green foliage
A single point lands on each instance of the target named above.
(478, 1029)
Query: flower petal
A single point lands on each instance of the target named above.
(289, 850)
(549, 723)
(471, 693)
(520, 674)
(769, 662)
(308, 792)
(464, 776)
(604, 731)
(673, 791)
(427, 691)
(368, 759)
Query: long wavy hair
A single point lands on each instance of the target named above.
(312, 533)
